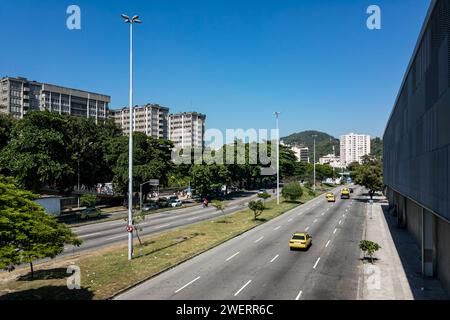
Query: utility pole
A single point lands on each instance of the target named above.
(131, 21)
(314, 178)
(277, 114)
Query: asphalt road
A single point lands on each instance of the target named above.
(258, 265)
(102, 234)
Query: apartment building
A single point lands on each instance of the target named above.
(151, 119)
(354, 147)
(187, 129)
(20, 95)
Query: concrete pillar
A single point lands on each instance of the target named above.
(428, 244)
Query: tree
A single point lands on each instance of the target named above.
(219, 205)
(88, 200)
(370, 176)
(370, 247)
(292, 191)
(264, 196)
(27, 232)
(201, 179)
(151, 160)
(257, 207)
(6, 125)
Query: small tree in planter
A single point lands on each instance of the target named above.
(257, 207)
(370, 247)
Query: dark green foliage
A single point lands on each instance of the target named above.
(88, 200)
(28, 233)
(292, 191)
(257, 207)
(324, 142)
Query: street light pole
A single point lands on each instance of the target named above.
(277, 114)
(131, 21)
(314, 178)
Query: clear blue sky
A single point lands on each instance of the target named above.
(236, 61)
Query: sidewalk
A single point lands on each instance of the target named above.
(396, 273)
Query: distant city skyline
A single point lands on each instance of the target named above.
(236, 61)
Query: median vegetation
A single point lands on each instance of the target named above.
(107, 271)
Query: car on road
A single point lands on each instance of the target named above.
(345, 193)
(330, 197)
(262, 191)
(90, 213)
(150, 206)
(300, 240)
(176, 203)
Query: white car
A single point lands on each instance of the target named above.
(176, 203)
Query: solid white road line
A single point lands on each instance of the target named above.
(328, 243)
(334, 231)
(317, 262)
(162, 226)
(187, 284)
(234, 255)
(90, 234)
(298, 296)
(275, 258)
(259, 239)
(119, 236)
(239, 291)
(277, 228)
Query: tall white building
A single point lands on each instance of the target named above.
(150, 119)
(354, 147)
(187, 129)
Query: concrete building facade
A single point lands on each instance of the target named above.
(354, 147)
(187, 130)
(417, 146)
(151, 119)
(19, 95)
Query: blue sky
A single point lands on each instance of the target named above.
(237, 61)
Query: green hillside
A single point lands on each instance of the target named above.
(324, 142)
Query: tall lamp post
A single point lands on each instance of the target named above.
(277, 114)
(314, 178)
(131, 21)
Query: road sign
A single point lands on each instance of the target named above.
(129, 228)
(153, 182)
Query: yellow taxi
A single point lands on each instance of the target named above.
(330, 197)
(300, 240)
(345, 193)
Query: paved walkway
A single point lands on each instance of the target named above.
(396, 273)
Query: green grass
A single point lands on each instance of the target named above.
(107, 271)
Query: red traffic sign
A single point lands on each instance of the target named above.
(130, 228)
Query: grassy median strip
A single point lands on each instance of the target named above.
(107, 271)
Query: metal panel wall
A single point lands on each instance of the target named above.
(417, 137)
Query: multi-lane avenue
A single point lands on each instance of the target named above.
(106, 233)
(259, 265)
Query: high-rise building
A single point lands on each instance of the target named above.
(354, 147)
(150, 119)
(187, 129)
(19, 95)
(301, 152)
